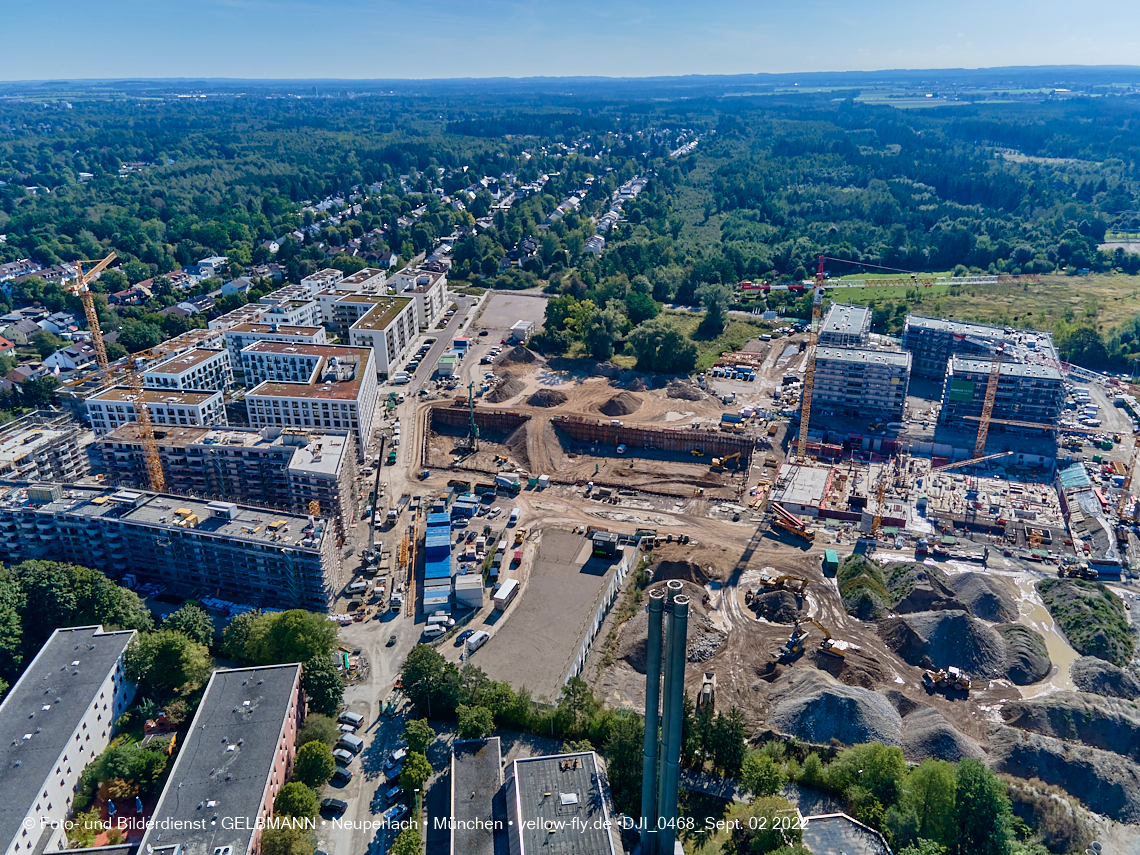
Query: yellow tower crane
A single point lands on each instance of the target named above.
(137, 394)
(880, 497)
(809, 372)
(81, 287)
(988, 404)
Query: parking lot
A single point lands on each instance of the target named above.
(504, 309)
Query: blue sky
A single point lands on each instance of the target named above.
(54, 39)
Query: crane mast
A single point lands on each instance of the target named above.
(81, 287)
(988, 404)
(809, 372)
(156, 480)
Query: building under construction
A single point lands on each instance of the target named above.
(190, 547)
(1026, 392)
(286, 468)
(845, 326)
(42, 447)
(853, 381)
(933, 341)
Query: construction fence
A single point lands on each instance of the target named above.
(709, 442)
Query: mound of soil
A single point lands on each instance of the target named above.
(1107, 783)
(945, 638)
(815, 707)
(516, 445)
(988, 597)
(776, 606)
(608, 369)
(637, 384)
(621, 404)
(1091, 616)
(1103, 678)
(927, 733)
(548, 398)
(703, 639)
(685, 390)
(509, 386)
(918, 588)
(1109, 724)
(518, 354)
(686, 571)
(1027, 658)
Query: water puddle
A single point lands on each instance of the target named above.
(1034, 614)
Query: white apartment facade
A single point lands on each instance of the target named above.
(199, 370)
(243, 335)
(58, 717)
(389, 329)
(110, 408)
(429, 290)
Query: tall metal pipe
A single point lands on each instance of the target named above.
(673, 589)
(652, 721)
(670, 778)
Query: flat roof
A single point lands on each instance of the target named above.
(362, 276)
(322, 455)
(958, 327)
(268, 329)
(843, 319)
(801, 485)
(17, 447)
(225, 761)
(348, 390)
(1011, 369)
(362, 298)
(900, 358)
(476, 778)
(303, 349)
(185, 362)
(169, 397)
(577, 792)
(159, 510)
(382, 315)
(41, 712)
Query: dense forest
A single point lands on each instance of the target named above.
(765, 186)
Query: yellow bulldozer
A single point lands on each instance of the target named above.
(796, 584)
(950, 679)
(1079, 571)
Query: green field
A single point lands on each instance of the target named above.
(736, 334)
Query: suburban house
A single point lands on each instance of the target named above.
(71, 357)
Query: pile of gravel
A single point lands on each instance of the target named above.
(776, 606)
(1094, 675)
(548, 398)
(637, 384)
(813, 706)
(918, 588)
(1027, 658)
(987, 597)
(944, 638)
(621, 404)
(519, 354)
(608, 369)
(704, 646)
(685, 390)
(926, 733)
(509, 386)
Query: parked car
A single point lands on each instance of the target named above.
(463, 636)
(343, 755)
(483, 332)
(394, 793)
(395, 760)
(391, 640)
(355, 719)
(334, 806)
(341, 776)
(494, 512)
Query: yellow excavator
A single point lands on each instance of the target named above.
(721, 463)
(830, 645)
(950, 679)
(796, 584)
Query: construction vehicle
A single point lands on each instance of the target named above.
(1079, 571)
(794, 646)
(789, 522)
(950, 679)
(722, 462)
(706, 697)
(796, 584)
(520, 536)
(809, 373)
(696, 452)
(834, 646)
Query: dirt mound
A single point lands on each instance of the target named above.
(703, 639)
(927, 733)
(621, 404)
(942, 639)
(815, 707)
(685, 390)
(987, 597)
(608, 369)
(686, 571)
(548, 398)
(776, 606)
(1109, 724)
(516, 444)
(637, 384)
(918, 588)
(1091, 616)
(1107, 783)
(517, 354)
(1027, 658)
(509, 386)
(1091, 674)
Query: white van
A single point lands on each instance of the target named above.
(434, 630)
(477, 640)
(441, 620)
(351, 718)
(514, 517)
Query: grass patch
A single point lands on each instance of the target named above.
(1092, 618)
(863, 587)
(626, 609)
(736, 334)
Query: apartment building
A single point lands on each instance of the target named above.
(57, 719)
(350, 308)
(861, 382)
(199, 370)
(309, 386)
(371, 279)
(429, 290)
(250, 555)
(286, 468)
(389, 329)
(1026, 392)
(846, 326)
(109, 408)
(297, 313)
(41, 447)
(322, 279)
(241, 336)
(933, 341)
(235, 757)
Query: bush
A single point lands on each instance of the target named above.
(1092, 618)
(297, 800)
(314, 764)
(318, 728)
